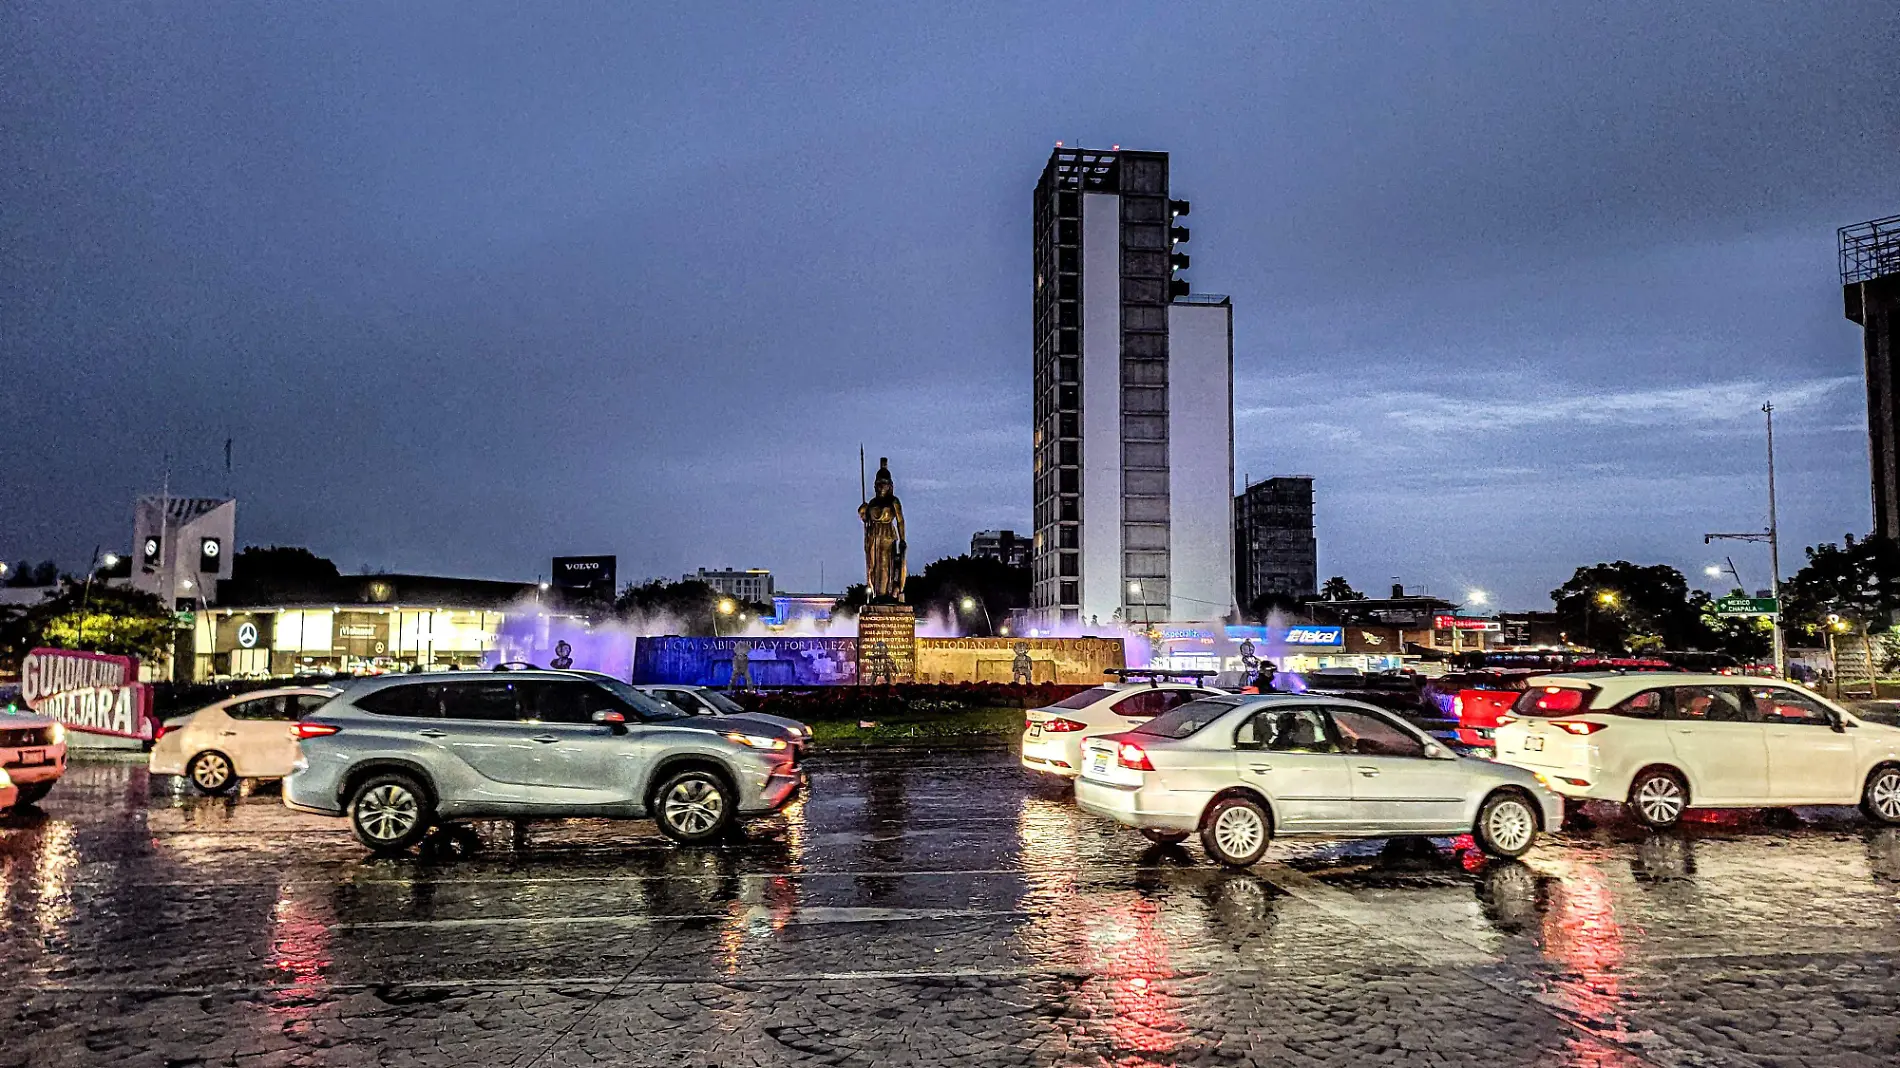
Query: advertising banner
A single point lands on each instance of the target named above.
(586, 576)
(759, 661)
(88, 692)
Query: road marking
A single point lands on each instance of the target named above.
(754, 914)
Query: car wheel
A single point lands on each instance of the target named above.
(1507, 825)
(211, 773)
(1165, 837)
(1658, 798)
(1881, 799)
(694, 806)
(1236, 831)
(391, 812)
(31, 795)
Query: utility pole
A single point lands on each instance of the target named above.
(1773, 537)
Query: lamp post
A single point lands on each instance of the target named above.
(968, 603)
(725, 607)
(85, 602)
(1134, 590)
(1773, 537)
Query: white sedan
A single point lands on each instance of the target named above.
(242, 737)
(1241, 769)
(1053, 734)
(1665, 742)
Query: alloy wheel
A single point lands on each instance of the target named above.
(1510, 825)
(388, 812)
(210, 771)
(1660, 799)
(1239, 831)
(1885, 795)
(693, 806)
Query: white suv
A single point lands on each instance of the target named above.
(1053, 734)
(1662, 743)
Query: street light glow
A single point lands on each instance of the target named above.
(1134, 587)
(111, 559)
(1607, 597)
(1712, 571)
(968, 603)
(1478, 597)
(726, 606)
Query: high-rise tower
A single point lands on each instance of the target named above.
(1870, 284)
(1134, 414)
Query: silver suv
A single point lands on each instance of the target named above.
(399, 754)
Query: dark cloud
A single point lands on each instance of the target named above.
(473, 285)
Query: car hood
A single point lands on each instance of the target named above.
(22, 719)
(747, 723)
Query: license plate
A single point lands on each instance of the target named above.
(1098, 762)
(1533, 744)
(32, 756)
(1035, 730)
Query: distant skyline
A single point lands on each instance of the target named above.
(472, 286)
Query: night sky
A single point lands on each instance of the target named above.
(471, 286)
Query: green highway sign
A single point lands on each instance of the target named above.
(1746, 606)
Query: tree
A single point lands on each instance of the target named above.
(1858, 582)
(991, 586)
(1338, 589)
(1625, 607)
(689, 608)
(278, 574)
(26, 574)
(109, 619)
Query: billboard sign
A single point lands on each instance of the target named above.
(1466, 623)
(88, 692)
(1316, 636)
(586, 576)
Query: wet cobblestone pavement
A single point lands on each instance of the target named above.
(927, 909)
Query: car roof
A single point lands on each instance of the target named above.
(383, 682)
(1642, 680)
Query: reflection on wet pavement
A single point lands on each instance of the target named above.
(927, 909)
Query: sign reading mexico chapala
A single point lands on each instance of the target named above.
(88, 691)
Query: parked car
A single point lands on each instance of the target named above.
(1240, 770)
(706, 701)
(9, 794)
(246, 736)
(33, 754)
(1053, 735)
(1484, 699)
(1663, 743)
(397, 754)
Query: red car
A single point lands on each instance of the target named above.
(1484, 697)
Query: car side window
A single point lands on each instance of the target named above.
(310, 702)
(413, 702)
(1290, 730)
(486, 701)
(261, 709)
(564, 702)
(1173, 699)
(1773, 704)
(1369, 735)
(1646, 705)
(1711, 704)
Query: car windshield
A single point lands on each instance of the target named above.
(1085, 698)
(721, 702)
(649, 706)
(1189, 718)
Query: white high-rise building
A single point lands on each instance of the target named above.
(1134, 412)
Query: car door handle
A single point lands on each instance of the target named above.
(545, 739)
(431, 732)
(1369, 772)
(1262, 768)
(227, 734)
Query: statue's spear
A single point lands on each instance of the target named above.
(861, 494)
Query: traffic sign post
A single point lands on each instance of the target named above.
(1746, 606)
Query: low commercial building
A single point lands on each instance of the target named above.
(1005, 545)
(753, 584)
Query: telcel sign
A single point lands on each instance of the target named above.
(1308, 636)
(88, 691)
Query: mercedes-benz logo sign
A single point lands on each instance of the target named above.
(151, 546)
(211, 547)
(247, 635)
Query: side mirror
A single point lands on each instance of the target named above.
(609, 717)
(1438, 752)
(1835, 721)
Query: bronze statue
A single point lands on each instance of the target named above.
(884, 547)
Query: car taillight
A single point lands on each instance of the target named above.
(1578, 726)
(1129, 755)
(1458, 708)
(162, 732)
(1558, 699)
(301, 731)
(1061, 726)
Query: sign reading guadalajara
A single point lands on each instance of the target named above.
(88, 691)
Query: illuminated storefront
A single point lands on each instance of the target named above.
(350, 640)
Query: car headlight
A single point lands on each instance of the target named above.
(59, 734)
(5, 781)
(756, 741)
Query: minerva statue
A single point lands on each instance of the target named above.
(884, 547)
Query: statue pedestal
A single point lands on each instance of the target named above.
(887, 644)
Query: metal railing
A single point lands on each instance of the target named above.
(1870, 250)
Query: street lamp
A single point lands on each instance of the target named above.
(969, 603)
(1134, 590)
(1607, 597)
(725, 607)
(1477, 597)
